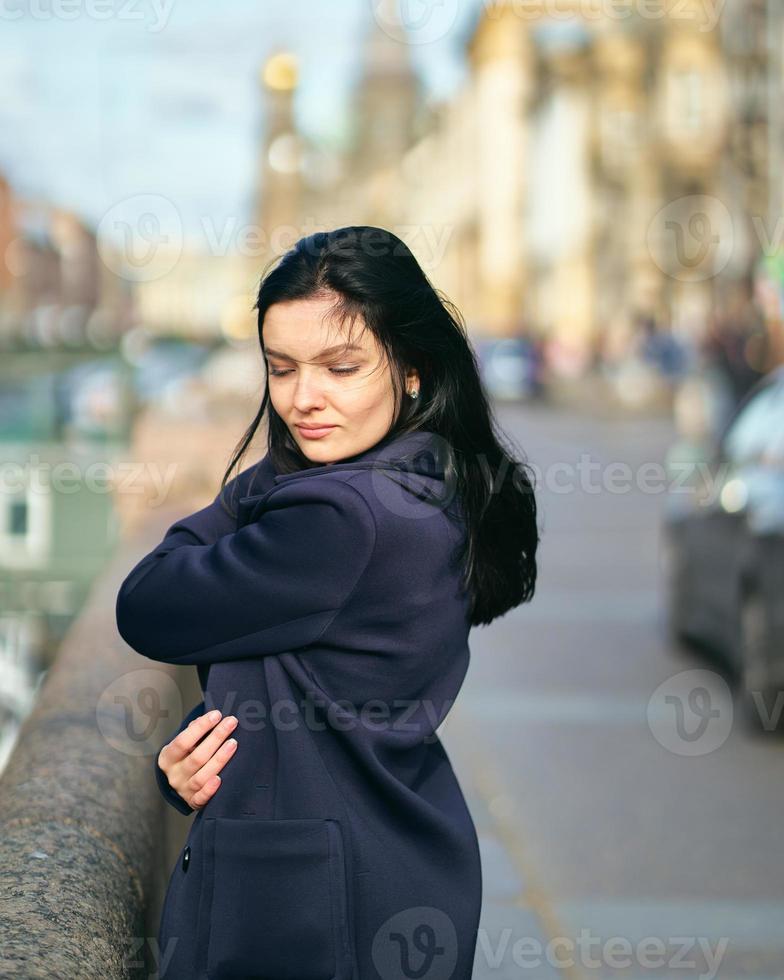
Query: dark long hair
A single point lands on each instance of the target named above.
(377, 281)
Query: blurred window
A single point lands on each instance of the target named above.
(17, 514)
(25, 529)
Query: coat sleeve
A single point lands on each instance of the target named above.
(170, 795)
(207, 525)
(271, 586)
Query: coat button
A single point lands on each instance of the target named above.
(186, 857)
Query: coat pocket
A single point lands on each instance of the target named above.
(277, 899)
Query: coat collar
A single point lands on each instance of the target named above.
(414, 452)
(418, 458)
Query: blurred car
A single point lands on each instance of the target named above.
(724, 542)
(510, 368)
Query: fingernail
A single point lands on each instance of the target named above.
(214, 715)
(232, 742)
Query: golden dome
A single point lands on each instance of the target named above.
(280, 71)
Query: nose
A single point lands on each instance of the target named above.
(308, 395)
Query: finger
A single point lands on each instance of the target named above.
(183, 743)
(202, 796)
(205, 783)
(214, 765)
(206, 749)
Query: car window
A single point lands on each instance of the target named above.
(758, 429)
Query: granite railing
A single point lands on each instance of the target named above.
(86, 841)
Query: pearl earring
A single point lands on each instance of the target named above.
(413, 393)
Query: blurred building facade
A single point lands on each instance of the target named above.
(591, 173)
(55, 289)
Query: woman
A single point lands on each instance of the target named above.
(326, 597)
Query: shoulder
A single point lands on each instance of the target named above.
(318, 508)
(415, 516)
(401, 501)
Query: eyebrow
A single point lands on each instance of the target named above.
(338, 348)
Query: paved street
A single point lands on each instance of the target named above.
(596, 812)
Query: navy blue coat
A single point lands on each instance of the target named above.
(330, 619)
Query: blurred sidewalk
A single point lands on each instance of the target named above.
(516, 914)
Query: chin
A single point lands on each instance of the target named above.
(315, 452)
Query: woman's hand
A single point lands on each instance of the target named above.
(191, 765)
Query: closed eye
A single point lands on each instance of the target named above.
(278, 373)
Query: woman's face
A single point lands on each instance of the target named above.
(348, 392)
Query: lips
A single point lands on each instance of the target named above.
(315, 432)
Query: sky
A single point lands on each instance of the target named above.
(101, 100)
